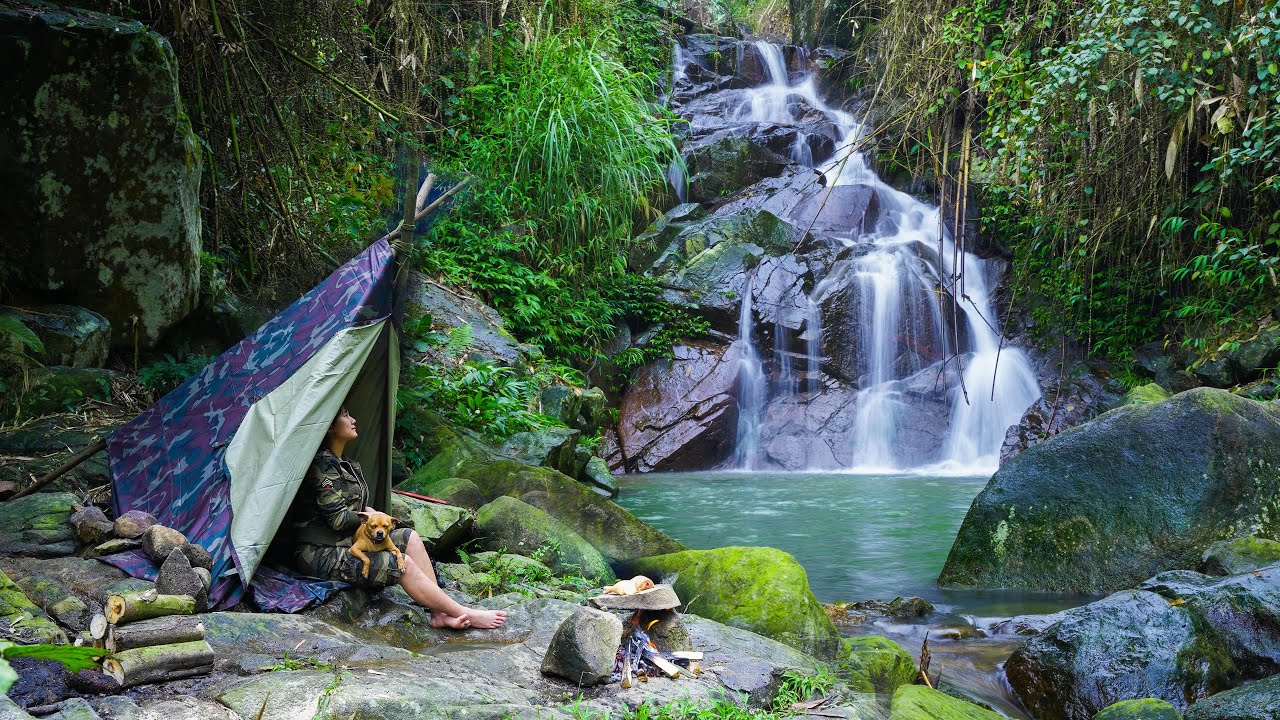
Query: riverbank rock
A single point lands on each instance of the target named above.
(551, 447)
(72, 336)
(917, 702)
(1245, 359)
(1133, 644)
(681, 413)
(104, 174)
(1255, 701)
(1138, 490)
(1140, 709)
(441, 527)
(584, 647)
(755, 588)
(1231, 557)
(509, 525)
(24, 621)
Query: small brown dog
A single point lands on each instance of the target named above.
(374, 535)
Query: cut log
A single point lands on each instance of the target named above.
(156, 631)
(98, 626)
(671, 669)
(160, 663)
(131, 607)
(687, 655)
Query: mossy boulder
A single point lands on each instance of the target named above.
(616, 533)
(917, 702)
(514, 526)
(875, 664)
(1139, 709)
(1255, 701)
(597, 475)
(728, 164)
(72, 336)
(760, 589)
(59, 602)
(451, 449)
(1132, 644)
(551, 447)
(103, 170)
(441, 527)
(1138, 490)
(25, 621)
(457, 491)
(1231, 557)
(36, 525)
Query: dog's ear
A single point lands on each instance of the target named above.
(364, 516)
(395, 521)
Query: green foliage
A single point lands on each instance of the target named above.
(499, 573)
(1129, 152)
(16, 340)
(795, 687)
(72, 658)
(164, 376)
(299, 663)
(476, 394)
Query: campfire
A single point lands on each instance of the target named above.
(646, 650)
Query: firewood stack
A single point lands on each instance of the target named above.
(654, 642)
(152, 638)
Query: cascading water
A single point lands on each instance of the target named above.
(903, 279)
(752, 388)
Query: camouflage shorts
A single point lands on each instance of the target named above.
(337, 563)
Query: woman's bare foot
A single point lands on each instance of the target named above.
(441, 620)
(487, 619)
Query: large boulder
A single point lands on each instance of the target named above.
(441, 527)
(1139, 490)
(616, 533)
(551, 447)
(72, 336)
(584, 647)
(1132, 644)
(451, 309)
(727, 164)
(103, 169)
(682, 413)
(760, 589)
(22, 620)
(509, 525)
(1255, 701)
(876, 664)
(1242, 610)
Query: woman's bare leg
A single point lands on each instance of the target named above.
(419, 581)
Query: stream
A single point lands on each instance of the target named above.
(859, 537)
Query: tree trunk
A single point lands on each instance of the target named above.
(156, 631)
(134, 606)
(160, 663)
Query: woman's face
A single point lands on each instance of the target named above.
(343, 427)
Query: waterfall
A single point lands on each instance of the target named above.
(901, 276)
(752, 387)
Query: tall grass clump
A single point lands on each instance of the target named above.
(567, 156)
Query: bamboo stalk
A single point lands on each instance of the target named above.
(320, 71)
(63, 469)
(134, 606)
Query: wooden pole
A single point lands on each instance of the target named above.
(64, 468)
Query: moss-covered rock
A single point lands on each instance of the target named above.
(1231, 557)
(441, 527)
(1255, 701)
(760, 589)
(1133, 644)
(917, 702)
(875, 664)
(1139, 709)
(457, 491)
(103, 171)
(551, 447)
(36, 525)
(23, 620)
(514, 526)
(1139, 490)
(597, 475)
(59, 602)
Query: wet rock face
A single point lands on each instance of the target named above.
(104, 169)
(1075, 669)
(1139, 490)
(681, 413)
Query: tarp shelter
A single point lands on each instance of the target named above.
(221, 457)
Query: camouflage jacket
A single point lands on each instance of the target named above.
(325, 509)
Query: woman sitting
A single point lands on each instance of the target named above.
(324, 516)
